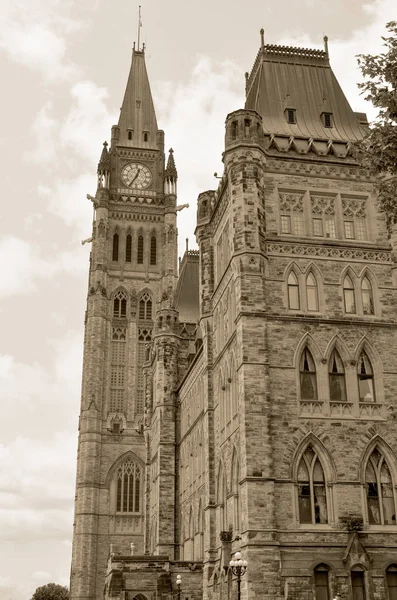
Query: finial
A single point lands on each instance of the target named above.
(326, 45)
(171, 151)
(105, 144)
(187, 244)
(139, 26)
(262, 32)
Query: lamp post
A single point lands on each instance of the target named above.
(178, 583)
(238, 567)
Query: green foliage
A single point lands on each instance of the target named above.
(378, 151)
(51, 591)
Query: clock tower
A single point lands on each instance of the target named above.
(133, 263)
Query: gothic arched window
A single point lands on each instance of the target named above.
(381, 501)
(115, 251)
(367, 297)
(153, 250)
(312, 293)
(293, 292)
(221, 499)
(348, 296)
(129, 476)
(311, 489)
(308, 381)
(145, 308)
(365, 377)
(391, 579)
(337, 386)
(140, 250)
(128, 248)
(120, 305)
(321, 582)
(358, 583)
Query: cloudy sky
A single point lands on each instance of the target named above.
(64, 65)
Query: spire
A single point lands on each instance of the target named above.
(171, 172)
(104, 161)
(137, 122)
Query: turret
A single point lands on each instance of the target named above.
(243, 126)
(104, 168)
(170, 175)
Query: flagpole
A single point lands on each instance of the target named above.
(139, 27)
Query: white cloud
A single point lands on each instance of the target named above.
(44, 130)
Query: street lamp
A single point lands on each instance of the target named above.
(238, 567)
(178, 583)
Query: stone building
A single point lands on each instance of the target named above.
(247, 400)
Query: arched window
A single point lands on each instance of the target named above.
(312, 293)
(145, 308)
(365, 376)
(391, 579)
(308, 382)
(321, 582)
(140, 250)
(293, 292)
(120, 305)
(153, 250)
(128, 248)
(200, 532)
(358, 583)
(311, 489)
(221, 499)
(381, 502)
(337, 387)
(115, 252)
(367, 298)
(235, 491)
(348, 295)
(129, 487)
(190, 541)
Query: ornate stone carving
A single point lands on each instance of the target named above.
(291, 202)
(323, 205)
(353, 208)
(329, 252)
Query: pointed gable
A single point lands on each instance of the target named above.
(137, 122)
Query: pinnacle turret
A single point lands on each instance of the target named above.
(170, 171)
(104, 167)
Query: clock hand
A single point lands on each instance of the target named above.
(136, 175)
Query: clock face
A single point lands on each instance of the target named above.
(136, 175)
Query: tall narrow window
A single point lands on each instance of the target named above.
(221, 500)
(293, 292)
(308, 383)
(140, 250)
(311, 489)
(128, 248)
(120, 305)
(391, 578)
(337, 387)
(365, 379)
(290, 114)
(144, 338)
(312, 293)
(153, 250)
(115, 252)
(348, 296)
(117, 369)
(321, 582)
(349, 230)
(367, 298)
(381, 503)
(327, 119)
(358, 583)
(145, 308)
(128, 487)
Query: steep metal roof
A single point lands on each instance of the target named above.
(301, 79)
(187, 290)
(137, 111)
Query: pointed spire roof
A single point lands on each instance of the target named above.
(171, 171)
(104, 161)
(137, 122)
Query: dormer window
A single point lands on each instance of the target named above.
(145, 136)
(129, 134)
(290, 115)
(327, 119)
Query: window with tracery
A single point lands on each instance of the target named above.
(120, 305)
(323, 213)
(348, 296)
(308, 379)
(312, 293)
(293, 292)
(139, 259)
(365, 377)
(129, 476)
(115, 249)
(291, 213)
(355, 218)
(391, 579)
(145, 307)
(381, 501)
(128, 248)
(312, 498)
(321, 582)
(153, 250)
(118, 369)
(367, 297)
(337, 385)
